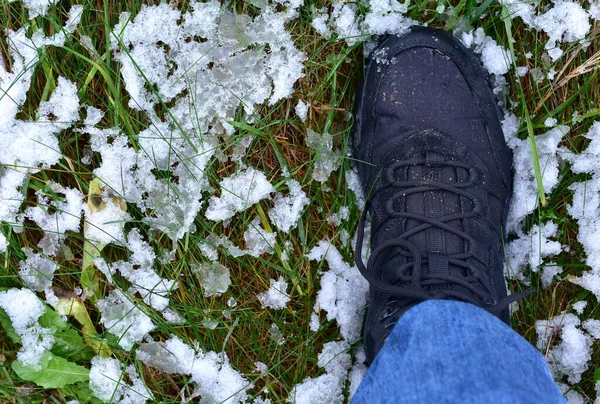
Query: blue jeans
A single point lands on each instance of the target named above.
(443, 351)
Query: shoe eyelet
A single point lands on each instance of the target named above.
(473, 175)
(389, 310)
(490, 301)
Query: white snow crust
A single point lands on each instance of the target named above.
(107, 382)
(37, 271)
(214, 378)
(343, 291)
(258, 240)
(24, 309)
(327, 388)
(566, 21)
(326, 159)
(382, 17)
(124, 319)
(586, 207)
(276, 297)
(239, 192)
(570, 357)
(288, 209)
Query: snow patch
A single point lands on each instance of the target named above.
(215, 380)
(302, 110)
(276, 297)
(66, 216)
(345, 20)
(343, 292)
(327, 388)
(214, 278)
(496, 59)
(124, 319)
(288, 209)
(326, 160)
(570, 357)
(565, 21)
(258, 240)
(107, 382)
(24, 309)
(37, 271)
(528, 251)
(586, 207)
(525, 191)
(238, 192)
(37, 7)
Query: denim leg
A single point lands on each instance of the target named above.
(444, 351)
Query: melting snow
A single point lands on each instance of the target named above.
(288, 209)
(525, 192)
(24, 309)
(206, 63)
(60, 37)
(358, 371)
(276, 297)
(214, 278)
(28, 146)
(580, 306)
(3, 243)
(326, 160)
(37, 7)
(342, 215)
(261, 368)
(37, 271)
(495, 58)
(327, 388)
(216, 381)
(586, 208)
(550, 122)
(566, 21)
(124, 319)
(276, 334)
(258, 240)
(302, 110)
(145, 281)
(239, 73)
(319, 22)
(238, 193)
(107, 382)
(382, 17)
(570, 357)
(353, 182)
(343, 293)
(528, 251)
(106, 226)
(67, 216)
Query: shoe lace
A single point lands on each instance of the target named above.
(419, 285)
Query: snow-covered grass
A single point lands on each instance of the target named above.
(175, 184)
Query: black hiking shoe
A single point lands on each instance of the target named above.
(433, 161)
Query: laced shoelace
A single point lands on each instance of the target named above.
(418, 285)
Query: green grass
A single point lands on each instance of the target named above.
(332, 72)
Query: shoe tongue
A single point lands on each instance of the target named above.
(432, 151)
(434, 243)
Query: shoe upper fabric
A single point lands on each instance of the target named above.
(433, 161)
